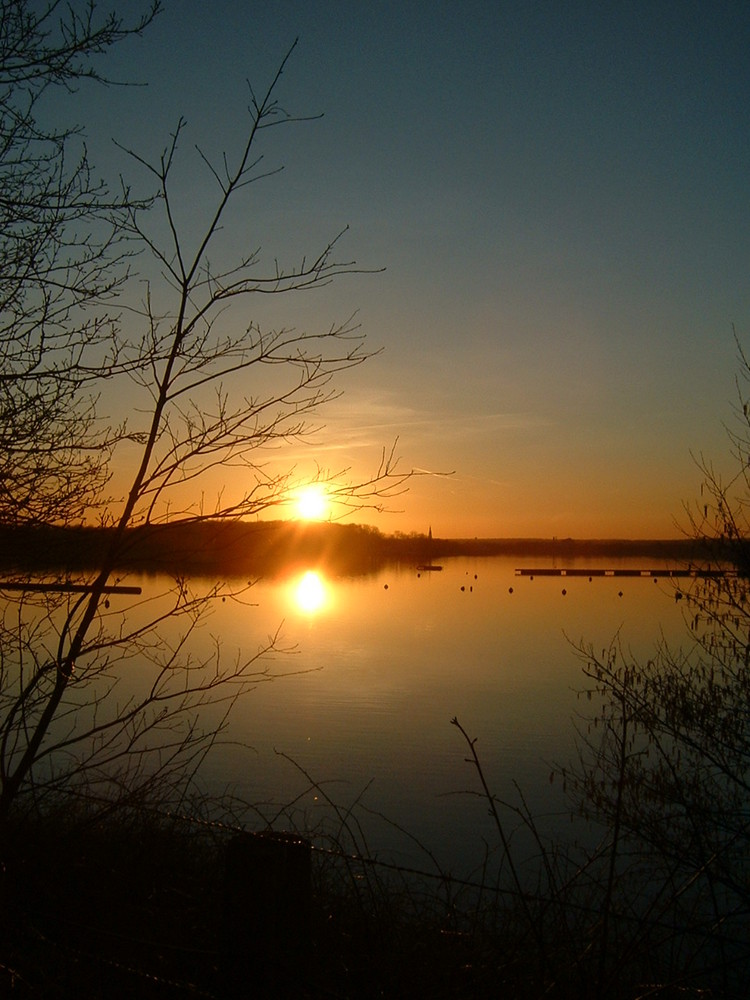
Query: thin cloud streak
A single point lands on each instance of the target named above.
(375, 423)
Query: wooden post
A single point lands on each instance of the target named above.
(267, 912)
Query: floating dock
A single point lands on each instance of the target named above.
(646, 573)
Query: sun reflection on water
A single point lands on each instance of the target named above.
(310, 593)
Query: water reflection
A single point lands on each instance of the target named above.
(310, 594)
(380, 672)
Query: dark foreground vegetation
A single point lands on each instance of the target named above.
(141, 907)
(144, 903)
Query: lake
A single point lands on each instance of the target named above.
(381, 665)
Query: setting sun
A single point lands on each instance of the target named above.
(312, 502)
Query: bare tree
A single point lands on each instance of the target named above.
(214, 398)
(665, 760)
(61, 252)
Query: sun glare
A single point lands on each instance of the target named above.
(312, 502)
(310, 593)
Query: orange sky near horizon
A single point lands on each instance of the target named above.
(558, 197)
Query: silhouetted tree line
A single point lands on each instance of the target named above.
(261, 548)
(195, 548)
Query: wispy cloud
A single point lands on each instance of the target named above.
(372, 420)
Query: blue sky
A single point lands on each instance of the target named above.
(559, 195)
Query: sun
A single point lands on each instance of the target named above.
(312, 502)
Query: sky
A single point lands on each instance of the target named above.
(558, 196)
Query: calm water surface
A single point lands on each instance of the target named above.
(384, 663)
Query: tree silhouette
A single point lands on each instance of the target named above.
(214, 390)
(665, 759)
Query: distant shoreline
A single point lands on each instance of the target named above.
(263, 548)
(657, 547)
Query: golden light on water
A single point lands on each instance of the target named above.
(310, 593)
